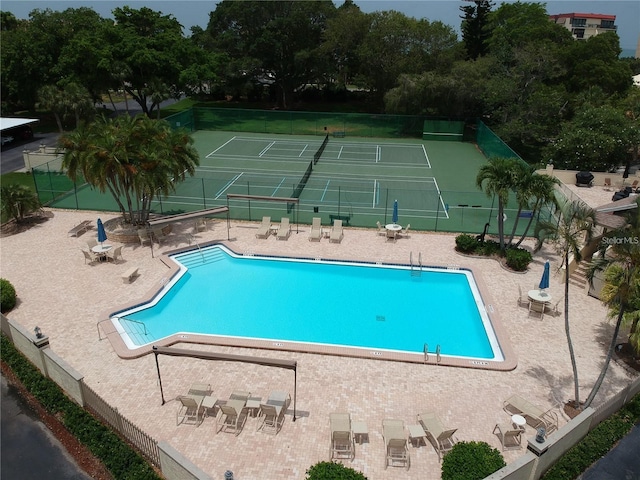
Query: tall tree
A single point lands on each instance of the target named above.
(475, 28)
(620, 260)
(568, 233)
(135, 159)
(271, 43)
(154, 51)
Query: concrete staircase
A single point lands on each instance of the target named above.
(579, 276)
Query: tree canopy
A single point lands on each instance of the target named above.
(525, 76)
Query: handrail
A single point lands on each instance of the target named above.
(192, 238)
(135, 321)
(438, 358)
(426, 352)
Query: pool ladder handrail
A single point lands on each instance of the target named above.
(426, 353)
(124, 318)
(418, 272)
(193, 239)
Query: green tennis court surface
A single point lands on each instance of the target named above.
(356, 179)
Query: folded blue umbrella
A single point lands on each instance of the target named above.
(102, 235)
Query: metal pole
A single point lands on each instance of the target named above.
(158, 369)
(295, 390)
(204, 195)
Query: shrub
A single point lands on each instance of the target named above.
(466, 243)
(518, 259)
(7, 295)
(489, 247)
(471, 461)
(121, 460)
(332, 471)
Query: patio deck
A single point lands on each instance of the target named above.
(65, 298)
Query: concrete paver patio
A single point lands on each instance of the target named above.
(66, 299)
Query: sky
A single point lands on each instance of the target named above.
(196, 12)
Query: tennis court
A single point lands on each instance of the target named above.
(332, 174)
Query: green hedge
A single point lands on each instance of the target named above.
(596, 444)
(333, 471)
(7, 295)
(120, 459)
(471, 461)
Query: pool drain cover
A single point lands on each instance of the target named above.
(380, 318)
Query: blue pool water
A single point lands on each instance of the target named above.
(356, 305)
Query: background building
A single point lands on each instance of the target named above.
(585, 25)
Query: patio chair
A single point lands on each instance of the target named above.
(159, 235)
(509, 436)
(395, 441)
(336, 232)
(89, 257)
(556, 307)
(143, 236)
(115, 254)
(92, 242)
(272, 412)
(522, 300)
(381, 229)
(537, 307)
(392, 235)
(316, 229)
(231, 419)
(189, 409)
(265, 228)
(342, 444)
(405, 231)
(200, 225)
(607, 184)
(534, 415)
(284, 229)
(441, 438)
(233, 415)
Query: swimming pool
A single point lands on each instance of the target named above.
(330, 305)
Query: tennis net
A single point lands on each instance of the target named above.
(317, 155)
(301, 184)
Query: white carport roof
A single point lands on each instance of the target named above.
(7, 122)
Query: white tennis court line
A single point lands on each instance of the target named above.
(228, 185)
(376, 194)
(378, 153)
(221, 146)
(440, 199)
(266, 149)
(303, 150)
(340, 152)
(427, 158)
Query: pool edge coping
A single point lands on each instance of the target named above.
(120, 348)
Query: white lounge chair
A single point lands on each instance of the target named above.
(316, 229)
(265, 228)
(284, 229)
(534, 415)
(336, 232)
(395, 440)
(440, 437)
(190, 409)
(272, 412)
(342, 444)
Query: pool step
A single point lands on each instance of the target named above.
(137, 331)
(203, 257)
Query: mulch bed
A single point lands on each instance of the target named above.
(80, 453)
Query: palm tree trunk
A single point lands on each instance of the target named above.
(567, 330)
(501, 224)
(603, 372)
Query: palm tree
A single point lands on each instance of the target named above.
(135, 159)
(497, 178)
(620, 260)
(18, 201)
(574, 226)
(542, 189)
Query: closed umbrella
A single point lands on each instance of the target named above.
(544, 281)
(102, 235)
(394, 218)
